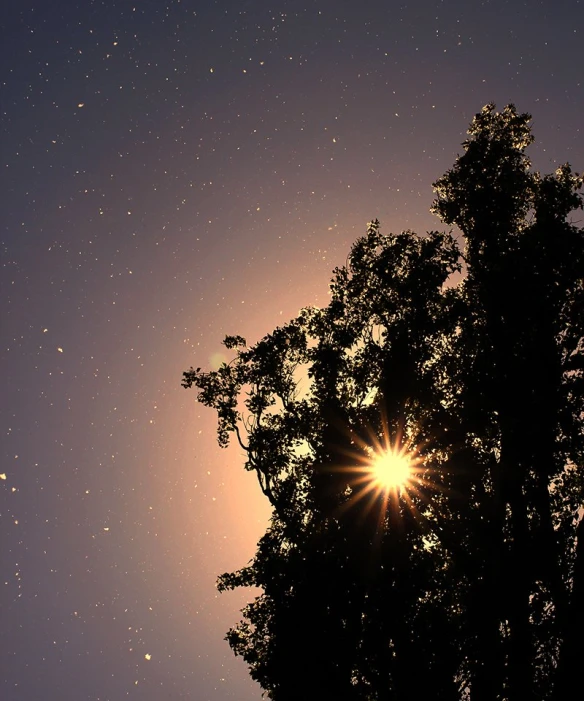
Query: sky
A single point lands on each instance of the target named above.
(172, 172)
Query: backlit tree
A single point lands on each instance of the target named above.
(421, 445)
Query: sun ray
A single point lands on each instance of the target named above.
(388, 473)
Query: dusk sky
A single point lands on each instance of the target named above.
(174, 171)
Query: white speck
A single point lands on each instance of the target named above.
(60, 350)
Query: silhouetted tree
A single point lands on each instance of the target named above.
(467, 581)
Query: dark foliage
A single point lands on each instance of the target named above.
(468, 581)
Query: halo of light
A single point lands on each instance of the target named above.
(391, 469)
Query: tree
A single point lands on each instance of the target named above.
(465, 581)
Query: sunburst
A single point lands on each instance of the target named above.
(391, 469)
(385, 472)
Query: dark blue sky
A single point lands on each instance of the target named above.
(172, 172)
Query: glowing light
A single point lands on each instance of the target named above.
(388, 474)
(217, 359)
(391, 469)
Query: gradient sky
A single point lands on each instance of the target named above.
(173, 171)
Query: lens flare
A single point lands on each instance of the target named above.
(388, 474)
(391, 469)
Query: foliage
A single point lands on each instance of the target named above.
(467, 582)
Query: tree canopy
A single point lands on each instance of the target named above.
(463, 578)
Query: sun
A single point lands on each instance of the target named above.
(390, 469)
(388, 473)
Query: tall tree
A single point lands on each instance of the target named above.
(465, 579)
(525, 266)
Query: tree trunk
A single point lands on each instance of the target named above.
(569, 672)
